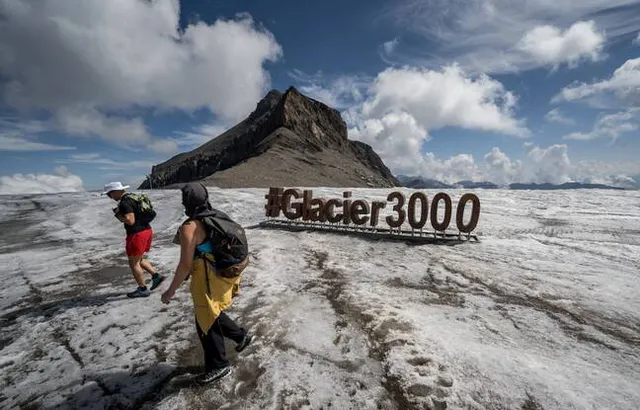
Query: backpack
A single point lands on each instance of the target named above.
(230, 246)
(145, 207)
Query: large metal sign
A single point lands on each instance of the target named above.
(347, 215)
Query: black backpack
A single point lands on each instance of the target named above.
(230, 246)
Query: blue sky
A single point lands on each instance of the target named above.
(94, 91)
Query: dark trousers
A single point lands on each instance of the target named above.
(213, 342)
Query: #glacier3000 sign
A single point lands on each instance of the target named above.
(297, 204)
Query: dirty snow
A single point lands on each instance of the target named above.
(542, 313)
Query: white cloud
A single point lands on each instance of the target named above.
(636, 40)
(338, 92)
(113, 56)
(164, 146)
(396, 138)
(548, 45)
(456, 168)
(17, 135)
(15, 124)
(40, 183)
(88, 122)
(539, 165)
(500, 169)
(482, 35)
(448, 97)
(388, 47)
(428, 100)
(200, 135)
(556, 116)
(106, 164)
(611, 126)
(403, 105)
(61, 170)
(549, 164)
(600, 172)
(17, 143)
(624, 84)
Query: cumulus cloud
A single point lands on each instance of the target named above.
(448, 97)
(110, 56)
(549, 45)
(624, 84)
(549, 164)
(615, 174)
(499, 36)
(538, 165)
(403, 105)
(500, 169)
(611, 126)
(636, 40)
(62, 181)
(396, 137)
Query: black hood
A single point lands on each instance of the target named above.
(195, 199)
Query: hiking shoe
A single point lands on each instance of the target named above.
(139, 293)
(244, 343)
(156, 280)
(213, 375)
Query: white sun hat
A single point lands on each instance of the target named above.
(114, 186)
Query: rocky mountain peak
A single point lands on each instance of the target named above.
(310, 118)
(289, 139)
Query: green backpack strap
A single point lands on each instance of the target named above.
(142, 200)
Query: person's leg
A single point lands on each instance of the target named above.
(216, 363)
(136, 269)
(206, 348)
(135, 251)
(230, 329)
(218, 353)
(146, 265)
(156, 278)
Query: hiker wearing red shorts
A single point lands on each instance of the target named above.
(136, 212)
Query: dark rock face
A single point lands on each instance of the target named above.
(288, 140)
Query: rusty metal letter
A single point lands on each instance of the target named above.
(291, 211)
(359, 212)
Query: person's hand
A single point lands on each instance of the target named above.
(167, 295)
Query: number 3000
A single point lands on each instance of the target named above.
(419, 221)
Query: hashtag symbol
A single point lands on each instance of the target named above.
(274, 202)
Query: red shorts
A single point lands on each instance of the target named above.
(138, 243)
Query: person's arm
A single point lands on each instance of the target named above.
(126, 212)
(187, 249)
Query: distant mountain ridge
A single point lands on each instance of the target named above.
(417, 182)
